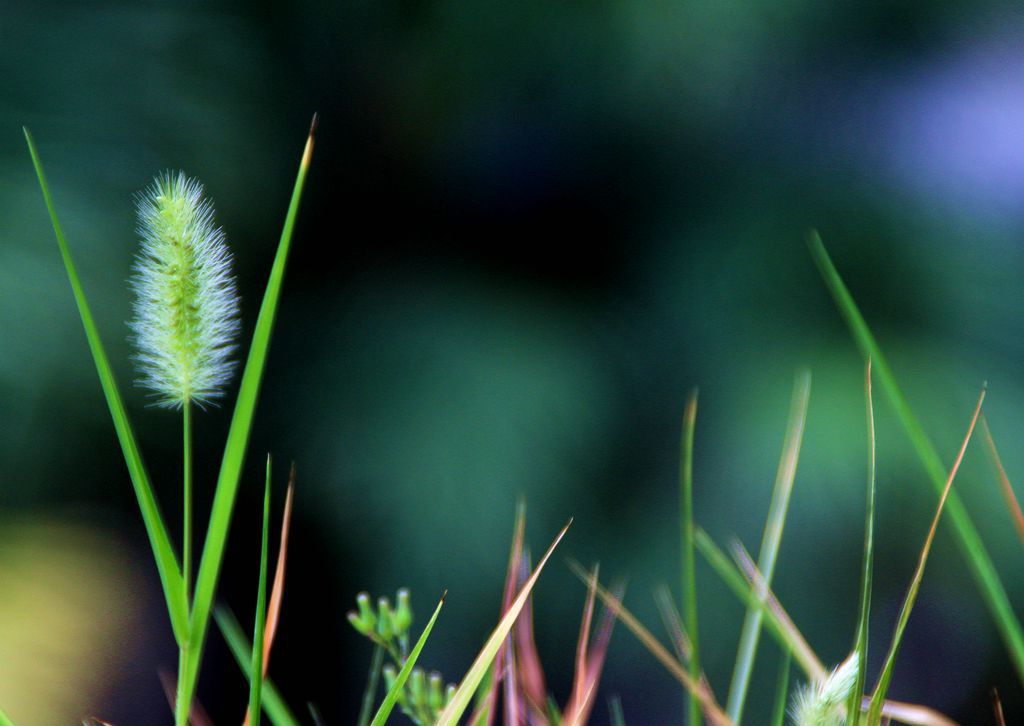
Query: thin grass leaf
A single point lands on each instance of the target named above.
(860, 646)
(277, 593)
(997, 707)
(403, 675)
(238, 435)
(874, 713)
(273, 705)
(747, 650)
(779, 624)
(1012, 505)
(984, 570)
(782, 691)
(163, 552)
(615, 708)
(259, 627)
(712, 711)
(4, 718)
(689, 578)
(515, 558)
(471, 681)
(372, 681)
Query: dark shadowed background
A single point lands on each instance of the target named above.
(529, 228)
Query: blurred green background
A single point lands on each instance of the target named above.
(530, 227)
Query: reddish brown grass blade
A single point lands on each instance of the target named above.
(1004, 481)
(498, 670)
(712, 711)
(529, 671)
(277, 594)
(997, 706)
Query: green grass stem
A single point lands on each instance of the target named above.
(770, 542)
(238, 436)
(260, 624)
(860, 645)
(689, 579)
(273, 704)
(782, 689)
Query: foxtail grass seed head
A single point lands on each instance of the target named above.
(186, 302)
(823, 703)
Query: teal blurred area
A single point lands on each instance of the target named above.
(529, 229)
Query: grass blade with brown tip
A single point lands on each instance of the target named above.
(1012, 505)
(875, 711)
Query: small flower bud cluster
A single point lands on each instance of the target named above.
(387, 626)
(424, 696)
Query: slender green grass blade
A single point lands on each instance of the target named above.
(877, 699)
(5, 720)
(372, 680)
(273, 704)
(984, 570)
(770, 542)
(478, 671)
(166, 559)
(618, 718)
(688, 556)
(785, 634)
(393, 693)
(860, 645)
(256, 682)
(238, 435)
(782, 690)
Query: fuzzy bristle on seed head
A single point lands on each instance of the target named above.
(186, 302)
(823, 703)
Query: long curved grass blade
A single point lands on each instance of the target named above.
(860, 646)
(166, 559)
(238, 435)
(712, 711)
(782, 691)
(471, 681)
(689, 581)
(984, 570)
(874, 713)
(1012, 505)
(770, 542)
(259, 627)
(391, 698)
(273, 704)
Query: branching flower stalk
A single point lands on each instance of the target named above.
(185, 321)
